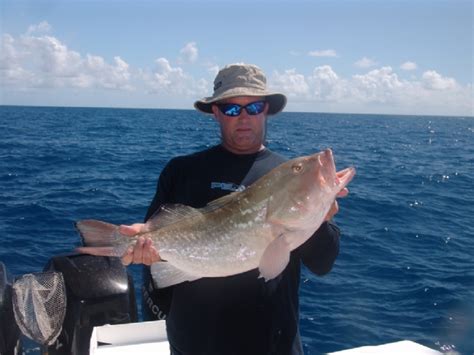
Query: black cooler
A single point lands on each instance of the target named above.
(99, 291)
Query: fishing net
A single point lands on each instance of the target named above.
(39, 303)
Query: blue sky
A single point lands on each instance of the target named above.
(400, 57)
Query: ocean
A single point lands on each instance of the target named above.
(406, 266)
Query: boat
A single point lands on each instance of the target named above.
(149, 338)
(100, 315)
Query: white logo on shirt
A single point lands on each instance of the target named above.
(228, 186)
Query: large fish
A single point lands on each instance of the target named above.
(254, 228)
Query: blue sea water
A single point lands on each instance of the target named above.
(406, 267)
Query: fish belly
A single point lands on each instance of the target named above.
(221, 249)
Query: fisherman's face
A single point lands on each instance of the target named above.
(242, 134)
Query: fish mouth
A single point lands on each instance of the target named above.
(326, 159)
(326, 171)
(345, 176)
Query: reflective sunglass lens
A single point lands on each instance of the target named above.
(233, 110)
(255, 108)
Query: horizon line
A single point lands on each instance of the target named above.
(194, 110)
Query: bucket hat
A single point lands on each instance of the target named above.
(241, 80)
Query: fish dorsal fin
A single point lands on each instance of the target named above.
(169, 214)
(220, 202)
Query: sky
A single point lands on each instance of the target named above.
(411, 57)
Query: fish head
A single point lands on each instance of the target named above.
(305, 189)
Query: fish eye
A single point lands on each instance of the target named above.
(297, 168)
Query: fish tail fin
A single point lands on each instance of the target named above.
(101, 238)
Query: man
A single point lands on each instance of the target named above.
(239, 314)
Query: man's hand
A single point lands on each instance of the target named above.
(143, 252)
(335, 207)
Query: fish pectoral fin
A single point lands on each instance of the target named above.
(275, 258)
(164, 274)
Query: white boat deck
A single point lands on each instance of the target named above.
(150, 338)
(132, 338)
(400, 347)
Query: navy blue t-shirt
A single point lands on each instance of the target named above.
(239, 314)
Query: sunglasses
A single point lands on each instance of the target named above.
(233, 110)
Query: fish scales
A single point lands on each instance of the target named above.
(254, 228)
(232, 241)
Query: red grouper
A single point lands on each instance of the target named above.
(254, 228)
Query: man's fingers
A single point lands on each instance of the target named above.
(127, 258)
(138, 251)
(155, 255)
(332, 211)
(342, 172)
(343, 193)
(147, 255)
(128, 230)
(142, 253)
(150, 254)
(132, 229)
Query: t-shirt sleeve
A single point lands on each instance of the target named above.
(320, 251)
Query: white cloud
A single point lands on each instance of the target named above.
(433, 80)
(291, 83)
(189, 53)
(326, 84)
(408, 66)
(213, 70)
(378, 85)
(9, 55)
(11, 71)
(379, 90)
(166, 77)
(323, 53)
(51, 56)
(168, 80)
(365, 63)
(109, 76)
(37, 60)
(42, 27)
(33, 61)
